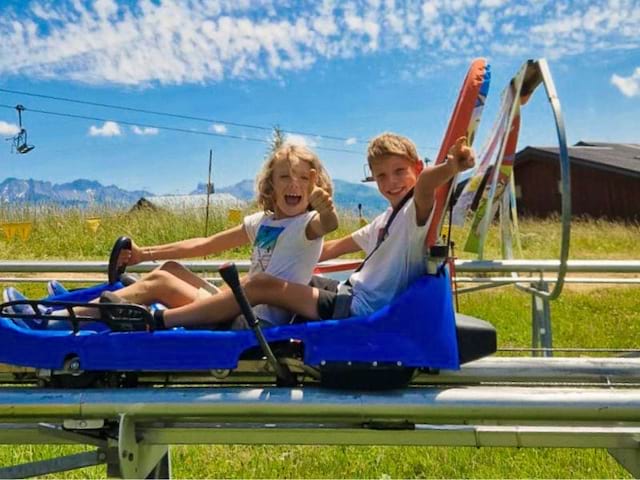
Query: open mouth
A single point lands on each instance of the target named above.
(292, 200)
(395, 192)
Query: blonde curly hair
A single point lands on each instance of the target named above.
(289, 152)
(387, 144)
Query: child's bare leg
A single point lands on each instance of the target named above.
(260, 289)
(159, 286)
(186, 275)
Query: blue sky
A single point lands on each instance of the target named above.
(347, 69)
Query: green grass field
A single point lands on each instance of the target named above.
(585, 316)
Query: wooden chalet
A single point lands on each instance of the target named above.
(605, 180)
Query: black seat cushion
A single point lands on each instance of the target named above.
(476, 338)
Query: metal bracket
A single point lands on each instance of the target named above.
(628, 458)
(137, 460)
(83, 424)
(541, 335)
(75, 437)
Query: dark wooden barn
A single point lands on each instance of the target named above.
(605, 180)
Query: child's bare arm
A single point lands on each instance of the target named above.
(193, 247)
(327, 219)
(459, 158)
(336, 248)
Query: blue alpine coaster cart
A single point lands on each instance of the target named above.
(117, 345)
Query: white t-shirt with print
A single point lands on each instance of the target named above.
(281, 249)
(398, 261)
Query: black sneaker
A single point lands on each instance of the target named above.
(128, 317)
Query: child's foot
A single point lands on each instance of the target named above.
(10, 294)
(55, 288)
(110, 297)
(129, 319)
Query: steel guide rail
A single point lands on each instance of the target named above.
(526, 370)
(462, 266)
(183, 433)
(268, 405)
(141, 446)
(485, 282)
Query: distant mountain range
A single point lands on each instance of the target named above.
(347, 195)
(79, 193)
(82, 193)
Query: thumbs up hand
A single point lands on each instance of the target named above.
(319, 199)
(461, 155)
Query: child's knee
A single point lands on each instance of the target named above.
(171, 266)
(259, 286)
(258, 280)
(158, 276)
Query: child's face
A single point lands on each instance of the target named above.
(395, 176)
(290, 180)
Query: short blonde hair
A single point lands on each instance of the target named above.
(288, 151)
(387, 144)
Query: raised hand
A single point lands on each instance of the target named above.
(130, 257)
(319, 199)
(461, 155)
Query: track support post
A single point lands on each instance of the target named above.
(135, 459)
(541, 335)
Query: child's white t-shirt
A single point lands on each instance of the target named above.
(281, 248)
(397, 262)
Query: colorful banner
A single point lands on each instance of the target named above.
(465, 202)
(500, 177)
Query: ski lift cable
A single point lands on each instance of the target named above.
(186, 117)
(173, 115)
(173, 129)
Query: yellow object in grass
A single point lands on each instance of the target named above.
(93, 224)
(22, 229)
(234, 215)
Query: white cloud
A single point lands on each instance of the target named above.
(350, 141)
(205, 41)
(629, 86)
(430, 10)
(301, 140)
(484, 22)
(105, 8)
(218, 128)
(8, 128)
(144, 130)
(108, 129)
(492, 3)
(507, 28)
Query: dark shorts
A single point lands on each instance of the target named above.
(334, 299)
